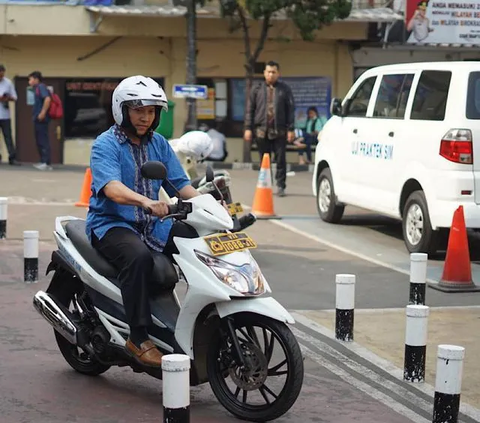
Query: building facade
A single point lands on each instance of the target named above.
(84, 51)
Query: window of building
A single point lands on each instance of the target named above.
(358, 104)
(430, 99)
(88, 106)
(392, 96)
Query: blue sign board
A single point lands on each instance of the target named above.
(190, 91)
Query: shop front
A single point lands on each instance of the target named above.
(86, 51)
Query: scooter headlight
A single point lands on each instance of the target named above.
(246, 279)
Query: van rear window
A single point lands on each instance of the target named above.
(473, 96)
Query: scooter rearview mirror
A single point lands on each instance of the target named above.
(209, 174)
(154, 170)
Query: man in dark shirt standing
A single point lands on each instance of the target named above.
(41, 119)
(270, 118)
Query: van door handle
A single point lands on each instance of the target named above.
(391, 134)
(355, 131)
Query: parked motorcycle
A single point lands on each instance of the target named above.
(194, 147)
(228, 323)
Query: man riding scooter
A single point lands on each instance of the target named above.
(119, 221)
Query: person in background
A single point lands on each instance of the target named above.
(7, 94)
(219, 152)
(270, 118)
(313, 127)
(41, 119)
(419, 24)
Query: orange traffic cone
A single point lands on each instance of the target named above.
(263, 200)
(86, 190)
(457, 272)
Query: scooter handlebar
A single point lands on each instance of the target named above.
(172, 209)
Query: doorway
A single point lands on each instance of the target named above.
(24, 132)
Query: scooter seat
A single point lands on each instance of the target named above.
(164, 274)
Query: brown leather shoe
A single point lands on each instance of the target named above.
(147, 354)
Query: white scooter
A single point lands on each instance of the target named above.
(228, 323)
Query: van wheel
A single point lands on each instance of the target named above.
(418, 234)
(328, 210)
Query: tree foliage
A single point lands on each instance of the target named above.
(308, 16)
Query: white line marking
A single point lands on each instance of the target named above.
(362, 386)
(393, 309)
(380, 362)
(24, 201)
(364, 371)
(342, 249)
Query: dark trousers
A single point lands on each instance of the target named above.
(43, 142)
(6, 127)
(124, 249)
(278, 147)
(309, 140)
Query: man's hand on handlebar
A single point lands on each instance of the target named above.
(156, 208)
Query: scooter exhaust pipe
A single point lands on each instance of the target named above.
(57, 315)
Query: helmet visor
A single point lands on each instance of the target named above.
(135, 104)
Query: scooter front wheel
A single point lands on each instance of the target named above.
(270, 379)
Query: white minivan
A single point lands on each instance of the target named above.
(405, 143)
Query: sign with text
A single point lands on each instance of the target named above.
(442, 22)
(91, 85)
(206, 108)
(190, 91)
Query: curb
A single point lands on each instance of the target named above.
(256, 166)
(215, 165)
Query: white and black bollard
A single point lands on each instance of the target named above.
(448, 383)
(418, 277)
(30, 256)
(345, 304)
(176, 388)
(3, 217)
(416, 343)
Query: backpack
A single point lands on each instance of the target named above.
(55, 111)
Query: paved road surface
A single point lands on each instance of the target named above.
(340, 385)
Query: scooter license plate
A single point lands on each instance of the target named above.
(235, 208)
(229, 243)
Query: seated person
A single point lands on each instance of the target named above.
(117, 224)
(219, 151)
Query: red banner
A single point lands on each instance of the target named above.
(411, 7)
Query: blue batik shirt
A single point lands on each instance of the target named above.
(115, 158)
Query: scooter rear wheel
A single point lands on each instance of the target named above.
(255, 392)
(78, 359)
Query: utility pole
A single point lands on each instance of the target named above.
(191, 123)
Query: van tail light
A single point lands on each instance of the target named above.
(457, 146)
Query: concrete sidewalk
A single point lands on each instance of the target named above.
(382, 331)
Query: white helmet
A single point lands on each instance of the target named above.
(137, 91)
(195, 143)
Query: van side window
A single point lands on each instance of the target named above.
(430, 99)
(473, 96)
(358, 104)
(392, 96)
